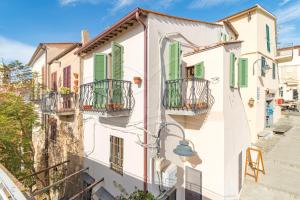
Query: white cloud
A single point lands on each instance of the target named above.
(283, 2)
(209, 3)
(15, 50)
(119, 4)
(288, 13)
(73, 2)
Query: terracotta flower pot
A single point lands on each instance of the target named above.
(87, 107)
(137, 80)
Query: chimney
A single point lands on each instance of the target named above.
(84, 37)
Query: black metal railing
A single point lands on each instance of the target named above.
(190, 94)
(49, 102)
(106, 95)
(66, 103)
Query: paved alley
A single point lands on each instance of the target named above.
(281, 154)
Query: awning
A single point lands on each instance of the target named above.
(103, 194)
(87, 178)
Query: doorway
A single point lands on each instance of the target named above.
(193, 184)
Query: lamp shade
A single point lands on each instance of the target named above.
(183, 149)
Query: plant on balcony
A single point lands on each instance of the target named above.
(64, 90)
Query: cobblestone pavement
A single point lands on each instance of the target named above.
(281, 155)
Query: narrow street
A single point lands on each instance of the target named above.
(281, 157)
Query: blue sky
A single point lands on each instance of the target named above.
(25, 23)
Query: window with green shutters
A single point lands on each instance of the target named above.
(232, 70)
(117, 71)
(243, 72)
(268, 38)
(199, 70)
(174, 90)
(263, 66)
(100, 95)
(274, 71)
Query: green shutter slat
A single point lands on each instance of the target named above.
(243, 72)
(174, 60)
(232, 70)
(199, 70)
(268, 38)
(117, 61)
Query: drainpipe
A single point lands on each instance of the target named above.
(137, 15)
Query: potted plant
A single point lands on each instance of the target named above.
(64, 91)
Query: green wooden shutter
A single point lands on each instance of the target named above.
(232, 70)
(243, 72)
(100, 92)
(274, 71)
(117, 61)
(268, 38)
(174, 89)
(174, 60)
(199, 70)
(99, 67)
(117, 72)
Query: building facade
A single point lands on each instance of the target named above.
(289, 72)
(257, 29)
(150, 70)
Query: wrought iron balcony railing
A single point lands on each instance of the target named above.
(190, 95)
(66, 104)
(106, 96)
(48, 103)
(61, 104)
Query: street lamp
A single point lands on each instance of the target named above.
(182, 149)
(265, 67)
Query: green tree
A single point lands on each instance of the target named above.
(17, 119)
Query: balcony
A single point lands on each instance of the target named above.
(48, 103)
(109, 98)
(66, 104)
(190, 96)
(284, 52)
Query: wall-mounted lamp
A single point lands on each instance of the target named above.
(182, 149)
(251, 102)
(265, 67)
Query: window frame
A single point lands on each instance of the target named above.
(117, 161)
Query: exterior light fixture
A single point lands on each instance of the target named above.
(182, 149)
(265, 67)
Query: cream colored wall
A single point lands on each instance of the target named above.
(97, 131)
(253, 34)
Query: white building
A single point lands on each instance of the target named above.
(257, 29)
(289, 72)
(150, 68)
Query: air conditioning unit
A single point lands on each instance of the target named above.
(169, 176)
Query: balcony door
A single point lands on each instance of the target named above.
(66, 101)
(100, 81)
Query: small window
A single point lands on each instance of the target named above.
(53, 129)
(116, 154)
(263, 64)
(67, 77)
(190, 72)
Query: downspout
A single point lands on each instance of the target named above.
(137, 15)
